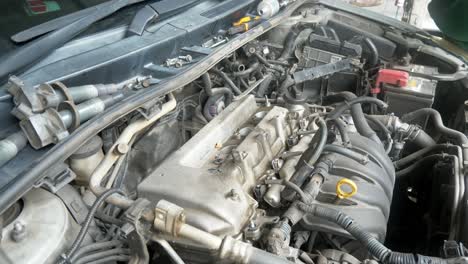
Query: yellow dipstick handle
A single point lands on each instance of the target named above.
(245, 20)
(342, 194)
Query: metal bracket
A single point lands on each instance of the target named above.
(322, 70)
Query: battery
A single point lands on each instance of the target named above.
(416, 94)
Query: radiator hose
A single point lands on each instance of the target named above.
(375, 247)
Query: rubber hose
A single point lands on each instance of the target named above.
(308, 159)
(438, 123)
(423, 140)
(377, 249)
(340, 109)
(373, 51)
(84, 229)
(322, 135)
(263, 87)
(384, 129)
(250, 70)
(341, 126)
(418, 154)
(288, 45)
(208, 84)
(228, 81)
(298, 179)
(359, 119)
(428, 159)
(297, 41)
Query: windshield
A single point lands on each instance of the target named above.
(19, 15)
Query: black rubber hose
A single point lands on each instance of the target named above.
(84, 229)
(288, 45)
(384, 129)
(295, 41)
(308, 159)
(426, 160)
(374, 59)
(423, 140)
(298, 179)
(341, 126)
(252, 68)
(321, 135)
(401, 163)
(363, 159)
(228, 81)
(340, 109)
(263, 87)
(438, 124)
(269, 65)
(207, 84)
(359, 119)
(377, 249)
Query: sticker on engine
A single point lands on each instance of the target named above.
(39, 7)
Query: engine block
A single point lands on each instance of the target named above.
(212, 176)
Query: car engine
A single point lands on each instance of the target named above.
(315, 136)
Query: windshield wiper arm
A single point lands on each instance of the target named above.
(37, 49)
(54, 24)
(158, 10)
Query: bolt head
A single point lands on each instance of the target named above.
(121, 149)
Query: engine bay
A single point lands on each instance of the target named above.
(317, 136)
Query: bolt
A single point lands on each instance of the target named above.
(186, 58)
(252, 225)
(179, 64)
(121, 149)
(252, 49)
(19, 232)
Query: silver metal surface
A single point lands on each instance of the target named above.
(47, 230)
(212, 176)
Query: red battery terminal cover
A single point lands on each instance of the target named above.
(393, 77)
